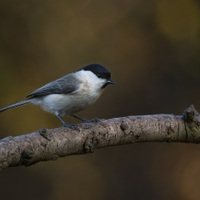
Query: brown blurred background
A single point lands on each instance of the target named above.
(152, 49)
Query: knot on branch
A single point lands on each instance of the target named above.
(26, 156)
(44, 133)
(191, 118)
(91, 142)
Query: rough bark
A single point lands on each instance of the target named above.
(50, 144)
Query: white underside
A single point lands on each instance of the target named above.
(63, 104)
(68, 104)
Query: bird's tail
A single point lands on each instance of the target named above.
(16, 104)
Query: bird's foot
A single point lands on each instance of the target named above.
(94, 120)
(65, 124)
(71, 126)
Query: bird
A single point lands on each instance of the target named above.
(69, 94)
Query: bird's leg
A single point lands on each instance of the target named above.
(86, 120)
(79, 118)
(72, 126)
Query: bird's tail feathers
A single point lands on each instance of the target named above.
(16, 104)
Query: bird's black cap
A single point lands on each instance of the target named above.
(99, 70)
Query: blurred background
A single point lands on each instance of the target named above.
(152, 49)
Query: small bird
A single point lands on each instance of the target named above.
(70, 93)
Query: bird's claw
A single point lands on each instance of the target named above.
(71, 126)
(95, 120)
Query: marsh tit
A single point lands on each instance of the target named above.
(70, 93)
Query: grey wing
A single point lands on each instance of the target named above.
(64, 85)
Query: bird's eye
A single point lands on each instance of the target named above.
(99, 76)
(103, 75)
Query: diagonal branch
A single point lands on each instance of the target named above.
(50, 144)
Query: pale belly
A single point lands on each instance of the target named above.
(65, 104)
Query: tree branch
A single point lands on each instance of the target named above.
(50, 144)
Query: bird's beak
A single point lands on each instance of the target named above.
(110, 81)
